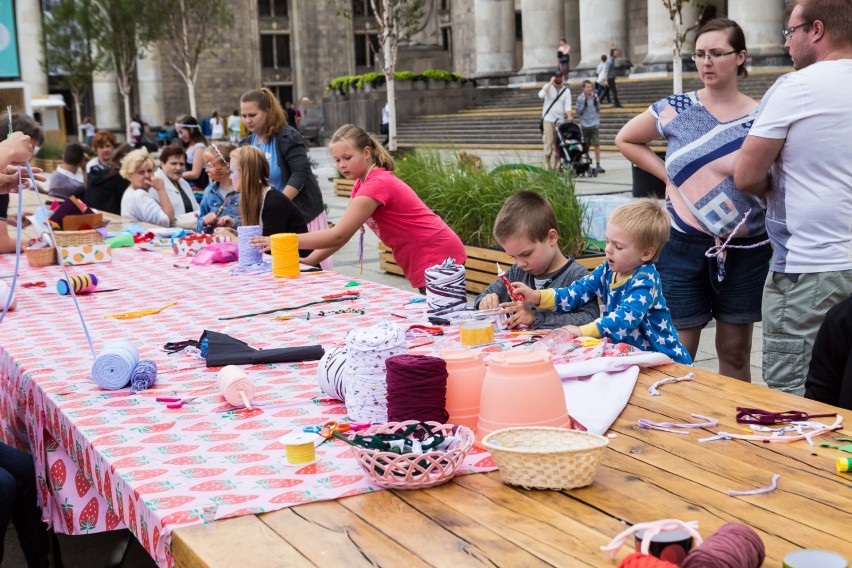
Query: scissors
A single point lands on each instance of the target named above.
(175, 402)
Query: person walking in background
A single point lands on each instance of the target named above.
(704, 131)
(563, 59)
(601, 81)
(88, 130)
(589, 113)
(614, 54)
(557, 107)
(136, 129)
(385, 127)
(217, 127)
(797, 156)
(235, 127)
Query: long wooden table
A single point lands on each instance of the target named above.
(644, 475)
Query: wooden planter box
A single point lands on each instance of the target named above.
(480, 268)
(47, 165)
(343, 187)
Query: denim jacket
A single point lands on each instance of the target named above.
(212, 201)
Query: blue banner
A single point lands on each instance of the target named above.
(9, 65)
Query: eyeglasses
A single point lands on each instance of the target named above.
(788, 32)
(212, 165)
(713, 55)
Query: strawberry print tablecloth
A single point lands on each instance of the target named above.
(110, 459)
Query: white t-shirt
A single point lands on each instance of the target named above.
(809, 208)
(601, 72)
(174, 196)
(217, 128)
(234, 123)
(558, 110)
(136, 204)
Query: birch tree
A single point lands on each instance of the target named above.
(396, 20)
(679, 35)
(191, 30)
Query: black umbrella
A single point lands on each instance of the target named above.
(225, 350)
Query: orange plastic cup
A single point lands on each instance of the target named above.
(521, 388)
(465, 374)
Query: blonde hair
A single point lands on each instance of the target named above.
(134, 161)
(646, 221)
(276, 118)
(254, 178)
(221, 151)
(359, 139)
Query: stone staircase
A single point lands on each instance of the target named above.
(509, 117)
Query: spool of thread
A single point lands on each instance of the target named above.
(144, 376)
(285, 255)
(445, 287)
(235, 386)
(249, 254)
(79, 282)
(734, 545)
(300, 448)
(810, 558)
(671, 546)
(114, 366)
(331, 372)
(417, 388)
(475, 333)
(844, 465)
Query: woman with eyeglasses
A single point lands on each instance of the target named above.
(717, 257)
(220, 206)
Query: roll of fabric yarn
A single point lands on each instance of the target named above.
(249, 254)
(114, 366)
(366, 386)
(734, 545)
(79, 283)
(331, 372)
(417, 388)
(445, 288)
(235, 386)
(144, 376)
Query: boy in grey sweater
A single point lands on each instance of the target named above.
(589, 113)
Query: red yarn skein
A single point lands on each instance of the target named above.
(734, 545)
(639, 560)
(417, 388)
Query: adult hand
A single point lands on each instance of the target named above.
(489, 302)
(225, 221)
(9, 179)
(17, 148)
(158, 184)
(527, 293)
(517, 313)
(263, 243)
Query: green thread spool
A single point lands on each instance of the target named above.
(844, 465)
(813, 558)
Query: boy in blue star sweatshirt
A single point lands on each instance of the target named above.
(627, 284)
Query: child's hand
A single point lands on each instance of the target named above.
(226, 221)
(529, 295)
(209, 219)
(573, 330)
(489, 302)
(263, 243)
(517, 313)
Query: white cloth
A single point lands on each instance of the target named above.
(4, 296)
(174, 195)
(136, 204)
(234, 123)
(92, 163)
(597, 390)
(600, 70)
(558, 110)
(810, 205)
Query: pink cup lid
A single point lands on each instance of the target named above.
(519, 358)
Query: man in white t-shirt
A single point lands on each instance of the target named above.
(801, 137)
(557, 108)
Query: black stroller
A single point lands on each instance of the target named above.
(572, 150)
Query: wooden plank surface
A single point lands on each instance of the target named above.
(644, 475)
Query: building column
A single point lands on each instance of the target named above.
(762, 22)
(542, 23)
(572, 30)
(494, 30)
(603, 26)
(661, 36)
(107, 101)
(30, 51)
(150, 83)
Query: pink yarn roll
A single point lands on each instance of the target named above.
(234, 384)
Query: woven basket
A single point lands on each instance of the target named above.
(41, 256)
(546, 458)
(78, 238)
(414, 471)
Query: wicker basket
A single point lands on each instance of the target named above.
(546, 458)
(78, 238)
(41, 256)
(414, 471)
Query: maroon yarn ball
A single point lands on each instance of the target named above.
(734, 545)
(417, 388)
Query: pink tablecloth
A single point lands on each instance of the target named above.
(109, 459)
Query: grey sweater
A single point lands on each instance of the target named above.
(545, 318)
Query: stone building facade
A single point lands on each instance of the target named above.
(296, 46)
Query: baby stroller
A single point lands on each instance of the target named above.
(572, 150)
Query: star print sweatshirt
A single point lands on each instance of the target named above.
(634, 310)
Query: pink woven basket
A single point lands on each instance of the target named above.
(414, 471)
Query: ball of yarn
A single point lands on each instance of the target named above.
(144, 376)
(639, 560)
(445, 287)
(331, 374)
(417, 388)
(248, 254)
(734, 545)
(234, 384)
(114, 366)
(366, 386)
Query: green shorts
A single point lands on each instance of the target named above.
(590, 136)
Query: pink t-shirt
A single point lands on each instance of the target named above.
(419, 238)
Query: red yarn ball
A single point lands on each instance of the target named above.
(639, 560)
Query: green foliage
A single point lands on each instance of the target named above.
(69, 39)
(468, 199)
(441, 75)
(404, 76)
(345, 83)
(368, 78)
(50, 151)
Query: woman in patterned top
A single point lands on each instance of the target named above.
(704, 131)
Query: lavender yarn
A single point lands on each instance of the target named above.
(144, 376)
(249, 254)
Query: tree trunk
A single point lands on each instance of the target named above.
(391, 113)
(190, 89)
(126, 97)
(677, 72)
(77, 112)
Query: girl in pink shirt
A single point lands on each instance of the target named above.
(419, 238)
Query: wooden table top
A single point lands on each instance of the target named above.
(644, 475)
